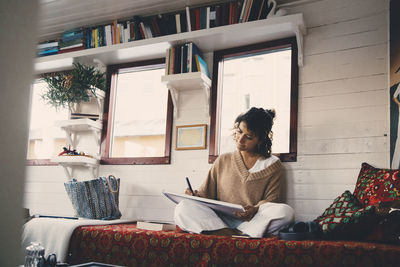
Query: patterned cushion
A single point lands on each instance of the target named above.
(377, 185)
(345, 218)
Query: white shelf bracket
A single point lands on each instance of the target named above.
(300, 49)
(94, 170)
(206, 89)
(68, 171)
(70, 141)
(175, 97)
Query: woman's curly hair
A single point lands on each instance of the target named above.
(260, 122)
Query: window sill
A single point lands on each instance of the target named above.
(136, 161)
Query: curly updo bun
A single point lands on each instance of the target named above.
(260, 122)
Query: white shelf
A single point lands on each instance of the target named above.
(69, 162)
(80, 125)
(76, 160)
(207, 40)
(187, 81)
(74, 126)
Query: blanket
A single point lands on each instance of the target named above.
(54, 234)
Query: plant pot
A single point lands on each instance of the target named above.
(93, 107)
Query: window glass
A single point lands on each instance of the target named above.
(46, 140)
(263, 75)
(256, 80)
(139, 116)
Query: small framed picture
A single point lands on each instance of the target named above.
(191, 137)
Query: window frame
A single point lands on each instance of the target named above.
(108, 117)
(219, 55)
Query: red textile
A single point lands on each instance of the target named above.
(124, 244)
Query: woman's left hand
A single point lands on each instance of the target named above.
(248, 213)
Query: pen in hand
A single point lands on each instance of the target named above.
(190, 186)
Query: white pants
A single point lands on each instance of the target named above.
(270, 218)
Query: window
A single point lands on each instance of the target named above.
(262, 75)
(139, 122)
(46, 140)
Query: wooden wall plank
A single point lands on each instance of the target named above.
(345, 101)
(327, 12)
(344, 86)
(356, 129)
(347, 115)
(355, 62)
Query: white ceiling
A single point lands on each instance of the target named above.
(57, 16)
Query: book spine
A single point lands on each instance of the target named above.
(189, 27)
(189, 58)
(197, 17)
(107, 30)
(177, 60)
(178, 23)
(247, 11)
(208, 17)
(243, 11)
(167, 61)
(172, 61)
(138, 32)
(114, 32)
(183, 22)
(203, 17)
(184, 60)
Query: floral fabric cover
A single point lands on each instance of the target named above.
(125, 245)
(377, 185)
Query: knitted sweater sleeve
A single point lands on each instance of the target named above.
(209, 187)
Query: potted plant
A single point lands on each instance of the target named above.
(65, 89)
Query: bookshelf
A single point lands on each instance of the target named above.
(72, 129)
(76, 130)
(69, 162)
(187, 81)
(207, 40)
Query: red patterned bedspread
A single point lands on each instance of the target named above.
(125, 245)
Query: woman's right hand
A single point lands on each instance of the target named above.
(188, 192)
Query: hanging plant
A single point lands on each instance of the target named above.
(73, 86)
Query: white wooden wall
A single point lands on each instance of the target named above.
(343, 121)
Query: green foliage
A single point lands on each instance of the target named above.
(74, 86)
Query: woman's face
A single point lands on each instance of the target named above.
(245, 139)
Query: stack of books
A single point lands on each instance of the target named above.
(47, 48)
(138, 27)
(185, 58)
(72, 40)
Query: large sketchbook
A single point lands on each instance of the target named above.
(218, 206)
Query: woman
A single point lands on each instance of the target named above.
(250, 176)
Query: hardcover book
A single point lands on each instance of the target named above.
(155, 226)
(202, 66)
(218, 206)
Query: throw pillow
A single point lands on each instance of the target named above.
(377, 185)
(345, 218)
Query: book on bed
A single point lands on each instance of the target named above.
(217, 205)
(156, 226)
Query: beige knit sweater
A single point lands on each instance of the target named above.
(230, 181)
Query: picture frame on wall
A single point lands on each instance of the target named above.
(191, 137)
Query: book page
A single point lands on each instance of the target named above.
(218, 206)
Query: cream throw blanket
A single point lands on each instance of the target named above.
(54, 234)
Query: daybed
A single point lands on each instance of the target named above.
(371, 214)
(125, 245)
(364, 214)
